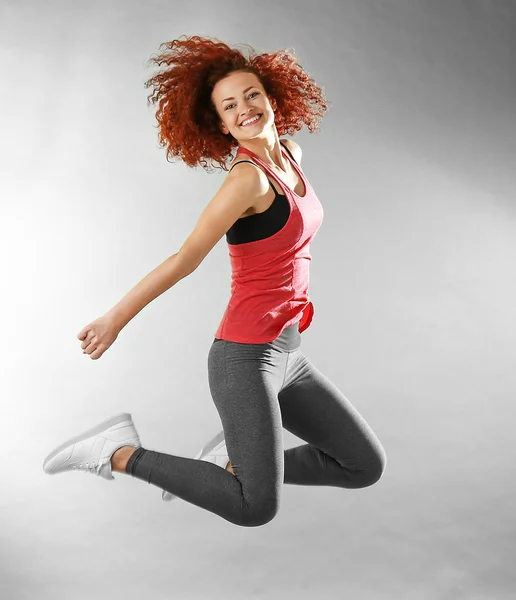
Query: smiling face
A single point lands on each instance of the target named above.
(238, 97)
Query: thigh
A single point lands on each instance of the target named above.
(316, 411)
(244, 382)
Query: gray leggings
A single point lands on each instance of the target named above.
(258, 389)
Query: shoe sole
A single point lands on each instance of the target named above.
(89, 433)
(206, 450)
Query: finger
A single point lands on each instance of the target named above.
(88, 341)
(90, 349)
(97, 353)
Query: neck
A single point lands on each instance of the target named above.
(269, 152)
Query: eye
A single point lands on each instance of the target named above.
(249, 97)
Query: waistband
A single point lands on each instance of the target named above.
(289, 339)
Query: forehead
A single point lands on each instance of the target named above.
(235, 82)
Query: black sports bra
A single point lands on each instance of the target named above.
(260, 226)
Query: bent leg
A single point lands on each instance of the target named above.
(342, 449)
(244, 386)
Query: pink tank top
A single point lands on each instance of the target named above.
(270, 277)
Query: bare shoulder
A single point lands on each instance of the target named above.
(255, 178)
(290, 144)
(294, 148)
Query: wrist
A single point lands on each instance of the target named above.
(117, 318)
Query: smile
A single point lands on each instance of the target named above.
(255, 120)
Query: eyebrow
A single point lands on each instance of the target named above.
(232, 98)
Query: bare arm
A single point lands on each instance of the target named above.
(234, 197)
(158, 281)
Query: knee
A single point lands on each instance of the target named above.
(367, 473)
(374, 471)
(259, 513)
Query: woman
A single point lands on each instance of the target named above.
(212, 100)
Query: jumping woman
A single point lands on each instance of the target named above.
(213, 99)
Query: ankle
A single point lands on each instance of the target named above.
(121, 457)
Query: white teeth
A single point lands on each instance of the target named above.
(251, 120)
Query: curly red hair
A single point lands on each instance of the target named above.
(187, 120)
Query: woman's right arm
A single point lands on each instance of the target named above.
(235, 196)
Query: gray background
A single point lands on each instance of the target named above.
(413, 282)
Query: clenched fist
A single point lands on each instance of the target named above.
(98, 336)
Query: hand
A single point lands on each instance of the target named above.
(98, 336)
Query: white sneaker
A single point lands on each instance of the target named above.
(91, 451)
(214, 452)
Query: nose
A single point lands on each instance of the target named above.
(246, 109)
